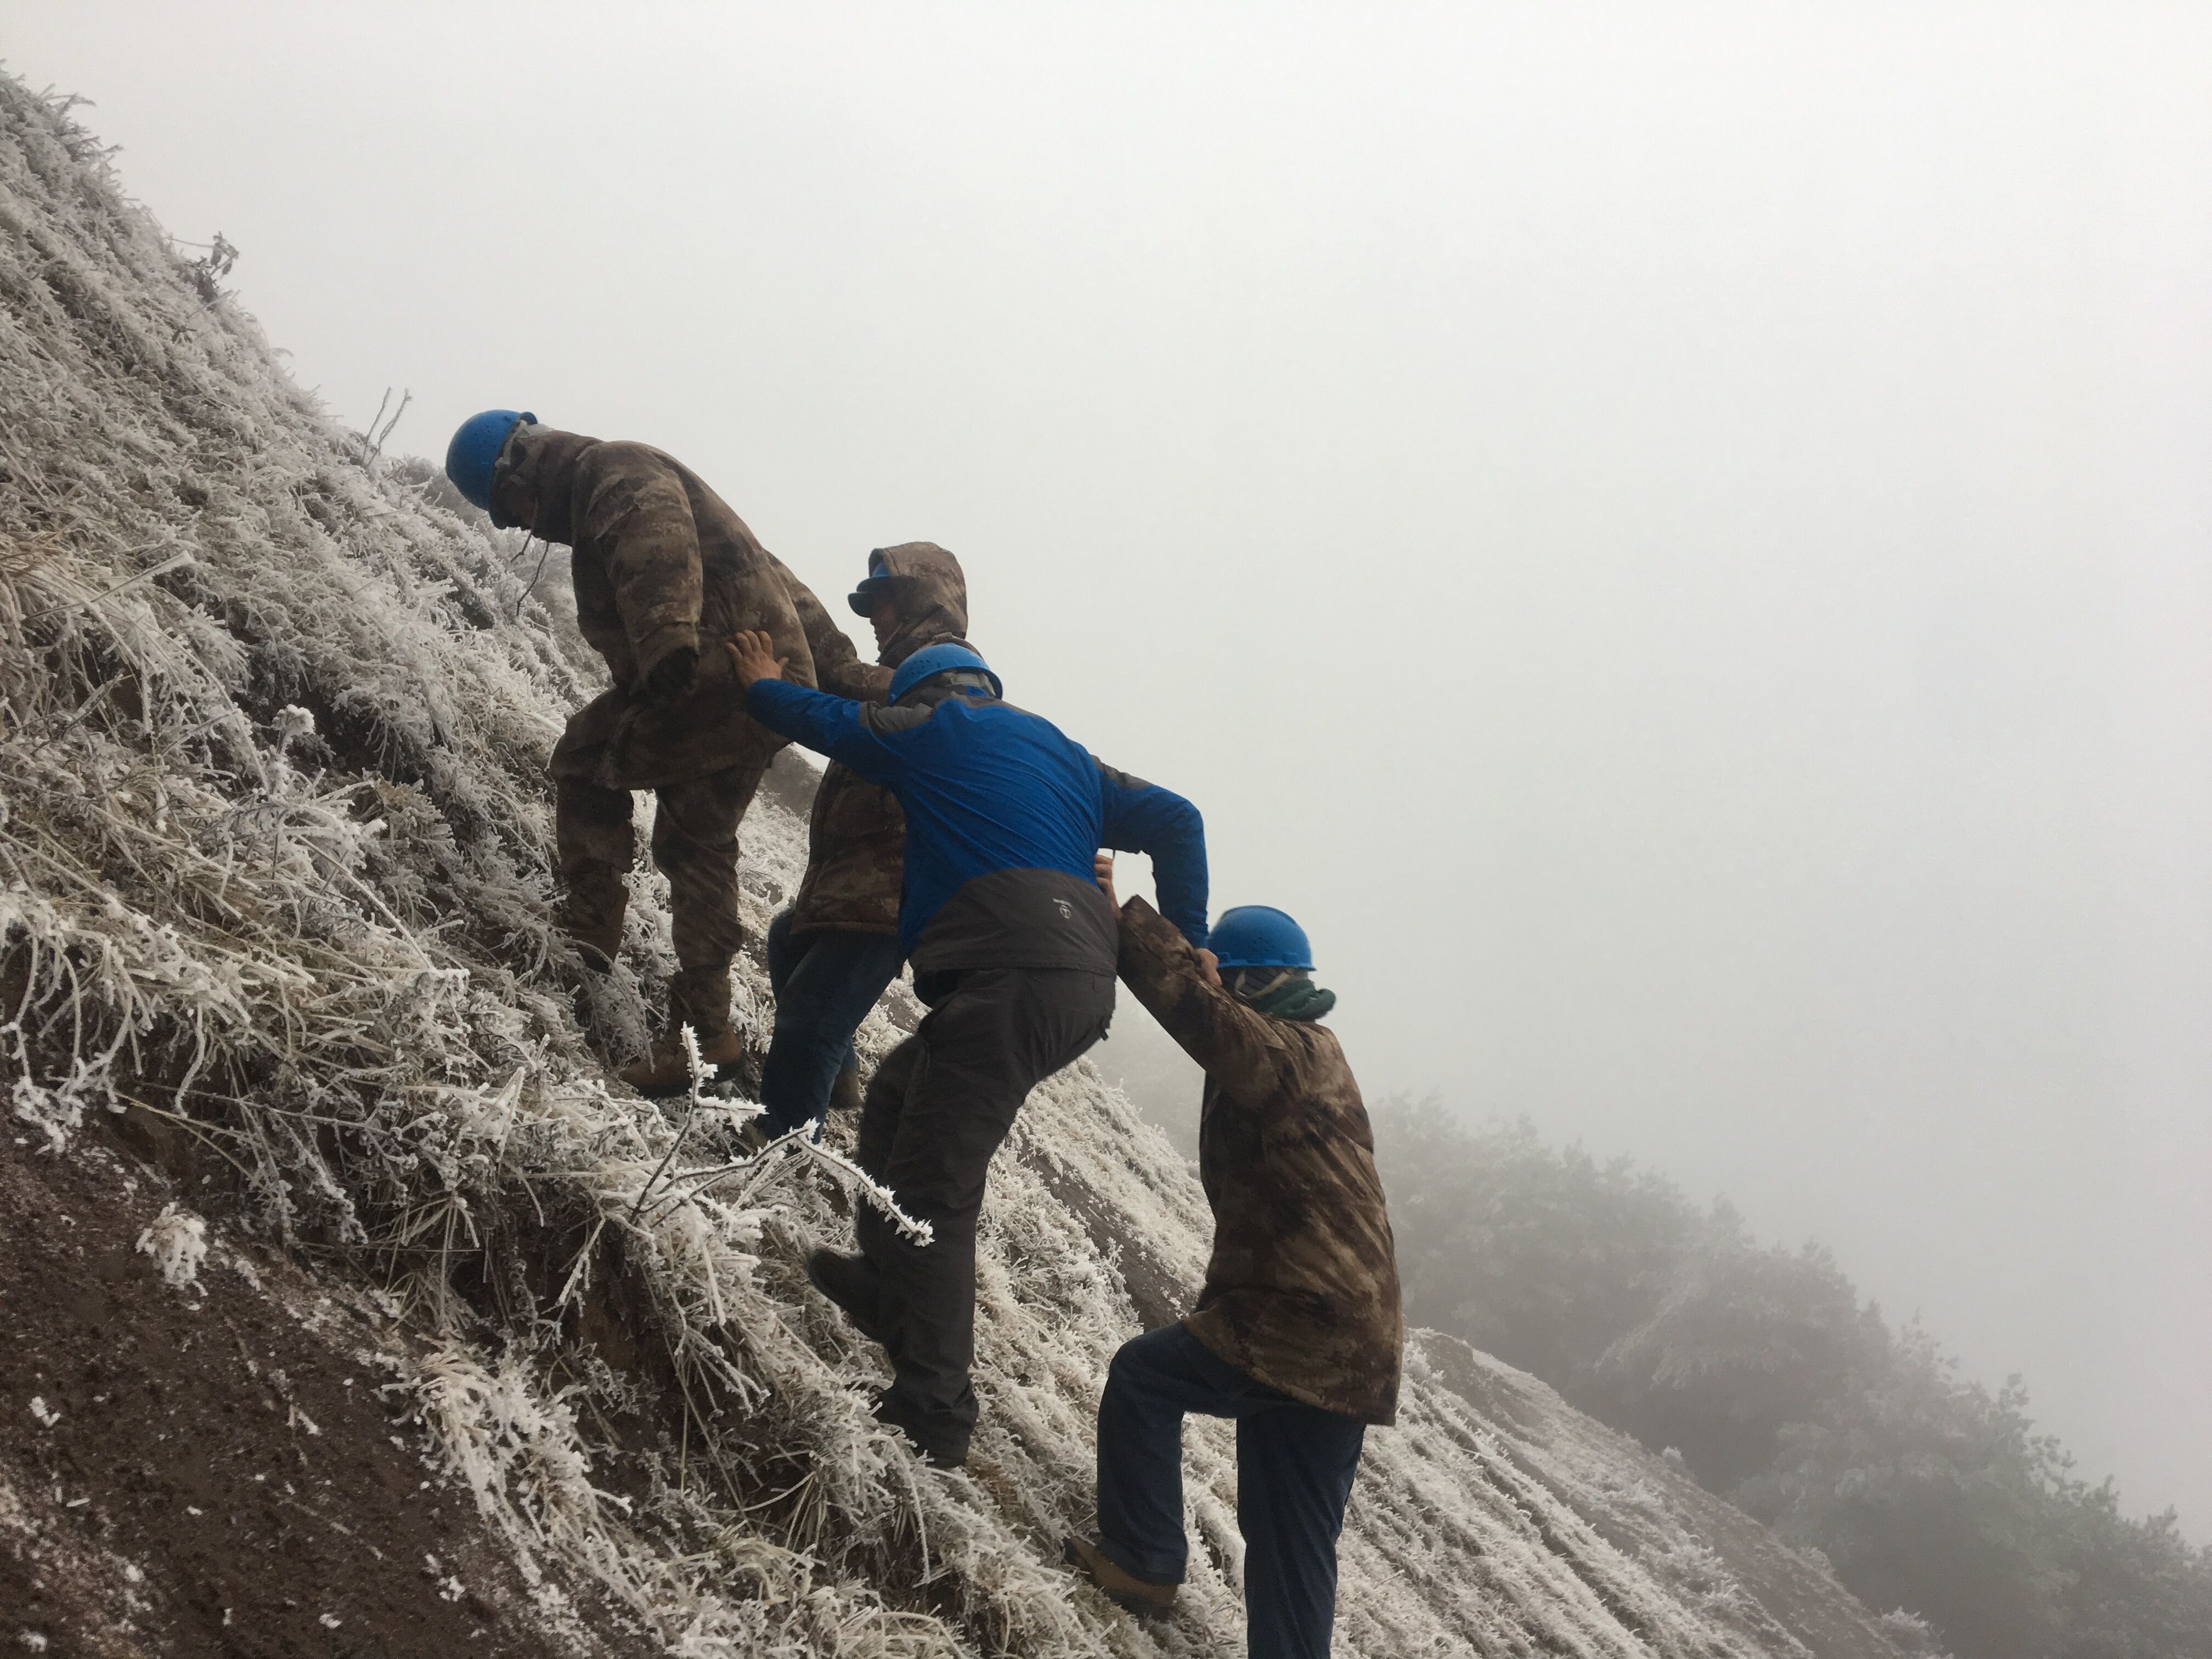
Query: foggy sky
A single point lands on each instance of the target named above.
(1677, 547)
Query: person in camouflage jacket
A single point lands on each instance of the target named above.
(830, 955)
(664, 572)
(1299, 1331)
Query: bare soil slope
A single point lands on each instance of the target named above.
(212, 1469)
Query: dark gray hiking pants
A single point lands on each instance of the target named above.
(936, 1110)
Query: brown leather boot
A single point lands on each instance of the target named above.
(1123, 1590)
(845, 1092)
(667, 1070)
(699, 998)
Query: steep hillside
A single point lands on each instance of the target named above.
(275, 951)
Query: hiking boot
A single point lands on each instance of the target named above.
(852, 1283)
(845, 1092)
(942, 1442)
(667, 1070)
(1124, 1590)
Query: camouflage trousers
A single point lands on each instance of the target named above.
(694, 845)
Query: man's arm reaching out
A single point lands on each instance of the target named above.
(1143, 818)
(1180, 985)
(836, 726)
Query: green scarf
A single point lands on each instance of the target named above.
(1292, 999)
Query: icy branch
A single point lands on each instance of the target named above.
(781, 1151)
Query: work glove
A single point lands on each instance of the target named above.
(671, 676)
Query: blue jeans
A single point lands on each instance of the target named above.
(825, 981)
(1294, 1469)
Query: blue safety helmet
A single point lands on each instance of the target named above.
(473, 455)
(864, 598)
(1259, 936)
(940, 660)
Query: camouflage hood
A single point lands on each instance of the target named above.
(931, 593)
(856, 839)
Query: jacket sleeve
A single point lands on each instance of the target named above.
(838, 669)
(634, 506)
(863, 737)
(1143, 818)
(1236, 1046)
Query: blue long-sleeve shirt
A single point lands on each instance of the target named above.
(988, 787)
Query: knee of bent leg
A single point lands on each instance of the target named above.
(1134, 1363)
(596, 833)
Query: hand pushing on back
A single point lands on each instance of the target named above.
(754, 655)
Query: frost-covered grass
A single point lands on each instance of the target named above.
(177, 1240)
(274, 877)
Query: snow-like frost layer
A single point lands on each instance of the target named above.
(177, 1240)
(275, 871)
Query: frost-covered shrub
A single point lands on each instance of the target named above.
(177, 1240)
(1910, 1632)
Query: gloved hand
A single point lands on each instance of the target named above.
(672, 675)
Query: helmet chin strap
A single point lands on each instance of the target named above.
(1241, 985)
(523, 598)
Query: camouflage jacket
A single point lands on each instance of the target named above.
(1302, 1290)
(661, 563)
(856, 838)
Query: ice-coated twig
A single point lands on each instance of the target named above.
(161, 569)
(523, 598)
(920, 1232)
(372, 441)
(690, 1110)
(780, 1149)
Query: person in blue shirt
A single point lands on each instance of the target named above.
(1014, 951)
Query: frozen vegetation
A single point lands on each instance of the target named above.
(275, 911)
